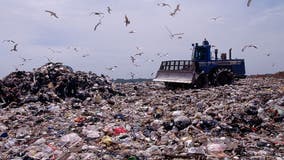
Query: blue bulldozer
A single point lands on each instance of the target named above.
(202, 70)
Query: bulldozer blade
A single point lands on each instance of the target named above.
(175, 77)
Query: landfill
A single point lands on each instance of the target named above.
(54, 112)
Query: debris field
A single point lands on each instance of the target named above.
(57, 113)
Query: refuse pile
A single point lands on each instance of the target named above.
(52, 82)
(239, 121)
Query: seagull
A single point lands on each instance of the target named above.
(108, 10)
(9, 41)
(162, 55)
(48, 59)
(164, 5)
(132, 31)
(111, 68)
(97, 14)
(249, 46)
(139, 54)
(248, 4)
(96, 26)
(215, 18)
(25, 59)
(54, 51)
(52, 13)
(127, 22)
(175, 11)
(76, 49)
(132, 59)
(14, 48)
(150, 60)
(268, 54)
(132, 75)
(171, 34)
(85, 55)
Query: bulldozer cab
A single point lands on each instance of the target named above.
(201, 53)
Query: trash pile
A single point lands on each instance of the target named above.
(147, 121)
(53, 82)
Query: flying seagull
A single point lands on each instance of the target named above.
(48, 59)
(9, 41)
(175, 11)
(127, 22)
(162, 55)
(215, 18)
(52, 13)
(111, 68)
(171, 34)
(249, 46)
(97, 14)
(248, 4)
(132, 31)
(108, 10)
(132, 59)
(14, 48)
(96, 26)
(139, 54)
(54, 51)
(132, 75)
(25, 59)
(164, 5)
(85, 55)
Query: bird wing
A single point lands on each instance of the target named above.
(171, 34)
(97, 25)
(55, 15)
(243, 49)
(177, 8)
(176, 34)
(126, 20)
(49, 11)
(108, 10)
(248, 4)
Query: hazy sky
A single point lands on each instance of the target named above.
(38, 34)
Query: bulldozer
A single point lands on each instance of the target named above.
(202, 70)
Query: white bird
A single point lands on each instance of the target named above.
(9, 41)
(132, 59)
(172, 35)
(25, 59)
(14, 48)
(249, 46)
(139, 54)
(162, 55)
(175, 11)
(109, 10)
(54, 51)
(164, 5)
(132, 75)
(49, 59)
(126, 20)
(52, 13)
(111, 68)
(97, 14)
(85, 55)
(215, 18)
(150, 60)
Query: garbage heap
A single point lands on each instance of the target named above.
(239, 121)
(53, 82)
